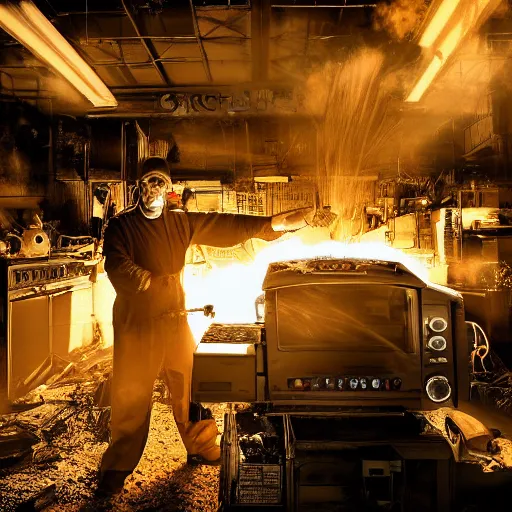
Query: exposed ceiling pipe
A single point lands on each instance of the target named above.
(159, 38)
(343, 6)
(138, 38)
(152, 55)
(197, 32)
(143, 64)
(87, 13)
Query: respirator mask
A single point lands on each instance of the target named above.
(154, 187)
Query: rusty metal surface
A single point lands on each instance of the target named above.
(232, 333)
(476, 434)
(501, 458)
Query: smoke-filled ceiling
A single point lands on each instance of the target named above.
(384, 76)
(149, 45)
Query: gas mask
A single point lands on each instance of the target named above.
(154, 187)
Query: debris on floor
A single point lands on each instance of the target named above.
(52, 442)
(502, 459)
(495, 392)
(232, 333)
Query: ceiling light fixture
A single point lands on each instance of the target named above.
(26, 23)
(438, 22)
(467, 21)
(272, 179)
(445, 50)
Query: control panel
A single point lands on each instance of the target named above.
(38, 274)
(345, 383)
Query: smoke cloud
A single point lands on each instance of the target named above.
(399, 18)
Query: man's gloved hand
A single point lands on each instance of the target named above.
(293, 219)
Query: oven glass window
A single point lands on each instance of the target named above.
(351, 318)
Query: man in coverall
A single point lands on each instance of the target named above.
(144, 250)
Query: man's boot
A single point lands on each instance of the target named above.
(111, 483)
(200, 440)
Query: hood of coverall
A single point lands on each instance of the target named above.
(154, 187)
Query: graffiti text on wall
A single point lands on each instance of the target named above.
(259, 101)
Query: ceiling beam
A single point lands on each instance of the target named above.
(316, 6)
(138, 38)
(173, 39)
(144, 64)
(143, 90)
(197, 32)
(148, 46)
(260, 36)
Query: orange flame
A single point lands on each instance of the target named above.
(233, 289)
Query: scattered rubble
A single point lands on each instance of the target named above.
(232, 333)
(52, 443)
(15, 443)
(495, 391)
(500, 460)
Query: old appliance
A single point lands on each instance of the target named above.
(351, 354)
(46, 311)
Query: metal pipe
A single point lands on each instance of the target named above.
(138, 38)
(339, 36)
(22, 66)
(205, 89)
(156, 38)
(249, 153)
(146, 63)
(123, 151)
(23, 90)
(157, 114)
(359, 6)
(159, 69)
(13, 98)
(197, 32)
(85, 13)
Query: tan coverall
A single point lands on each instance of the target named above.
(143, 260)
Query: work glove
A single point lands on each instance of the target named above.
(293, 219)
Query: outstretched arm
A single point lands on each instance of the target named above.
(226, 229)
(126, 277)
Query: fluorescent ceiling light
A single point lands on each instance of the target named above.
(447, 47)
(445, 50)
(27, 24)
(438, 22)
